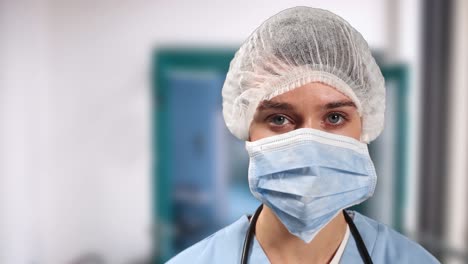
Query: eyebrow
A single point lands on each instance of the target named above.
(339, 104)
(265, 105)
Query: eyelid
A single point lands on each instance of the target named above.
(343, 114)
(269, 117)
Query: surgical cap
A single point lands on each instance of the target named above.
(295, 47)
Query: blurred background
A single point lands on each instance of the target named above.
(113, 147)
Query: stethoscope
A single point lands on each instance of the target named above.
(357, 237)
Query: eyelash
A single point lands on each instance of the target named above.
(270, 118)
(344, 116)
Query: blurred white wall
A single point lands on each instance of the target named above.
(75, 111)
(23, 112)
(457, 211)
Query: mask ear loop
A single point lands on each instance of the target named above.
(364, 136)
(364, 139)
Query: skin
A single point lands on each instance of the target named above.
(318, 106)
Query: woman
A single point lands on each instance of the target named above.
(306, 94)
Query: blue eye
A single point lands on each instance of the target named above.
(279, 120)
(335, 118)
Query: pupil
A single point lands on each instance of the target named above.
(279, 120)
(334, 118)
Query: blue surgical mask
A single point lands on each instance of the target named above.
(308, 176)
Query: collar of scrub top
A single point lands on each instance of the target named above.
(357, 242)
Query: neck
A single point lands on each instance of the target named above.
(280, 246)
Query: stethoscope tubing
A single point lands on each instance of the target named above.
(354, 231)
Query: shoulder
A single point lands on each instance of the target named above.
(223, 246)
(390, 246)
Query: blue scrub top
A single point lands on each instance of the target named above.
(383, 244)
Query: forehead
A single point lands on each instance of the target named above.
(311, 94)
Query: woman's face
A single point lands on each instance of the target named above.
(314, 105)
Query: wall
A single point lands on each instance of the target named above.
(75, 131)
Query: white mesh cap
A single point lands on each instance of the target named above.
(297, 46)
